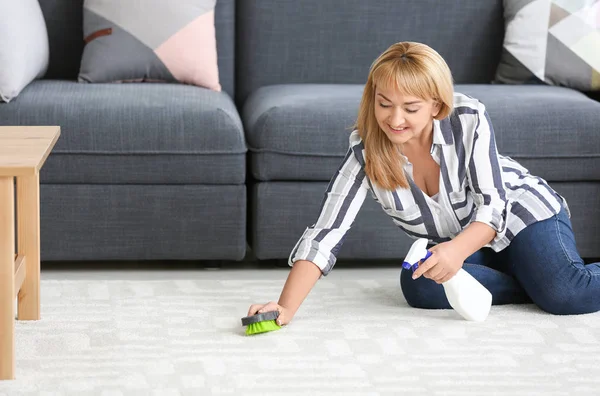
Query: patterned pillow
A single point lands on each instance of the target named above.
(552, 41)
(150, 40)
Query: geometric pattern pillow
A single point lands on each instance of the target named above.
(150, 40)
(556, 42)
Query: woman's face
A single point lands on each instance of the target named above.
(403, 117)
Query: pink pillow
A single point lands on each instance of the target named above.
(151, 40)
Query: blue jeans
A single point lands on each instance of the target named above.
(541, 265)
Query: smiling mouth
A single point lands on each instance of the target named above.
(397, 130)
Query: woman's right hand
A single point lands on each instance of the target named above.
(281, 320)
(301, 279)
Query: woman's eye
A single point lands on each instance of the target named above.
(384, 106)
(411, 111)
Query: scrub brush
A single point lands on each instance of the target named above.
(261, 323)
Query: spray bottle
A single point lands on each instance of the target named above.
(465, 294)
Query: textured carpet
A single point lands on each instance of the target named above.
(350, 337)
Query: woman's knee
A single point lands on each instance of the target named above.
(546, 262)
(563, 301)
(422, 292)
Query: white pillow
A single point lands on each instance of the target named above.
(24, 48)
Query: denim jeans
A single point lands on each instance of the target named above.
(541, 265)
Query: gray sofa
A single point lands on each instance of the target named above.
(164, 171)
(141, 172)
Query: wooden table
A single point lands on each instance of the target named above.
(23, 151)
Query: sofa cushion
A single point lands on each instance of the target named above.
(64, 19)
(300, 132)
(335, 42)
(128, 133)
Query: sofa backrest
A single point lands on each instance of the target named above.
(64, 20)
(335, 41)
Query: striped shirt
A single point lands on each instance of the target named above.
(476, 184)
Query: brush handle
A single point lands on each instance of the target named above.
(272, 315)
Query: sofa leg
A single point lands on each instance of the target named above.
(277, 263)
(212, 265)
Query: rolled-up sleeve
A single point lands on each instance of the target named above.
(485, 177)
(341, 203)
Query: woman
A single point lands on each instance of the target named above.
(428, 156)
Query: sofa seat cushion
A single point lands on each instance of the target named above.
(135, 133)
(300, 132)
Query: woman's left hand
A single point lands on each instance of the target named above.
(442, 265)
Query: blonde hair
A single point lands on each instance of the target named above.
(416, 70)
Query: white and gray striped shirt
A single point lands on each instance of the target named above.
(476, 184)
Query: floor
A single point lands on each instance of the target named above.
(172, 329)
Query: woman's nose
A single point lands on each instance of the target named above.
(396, 118)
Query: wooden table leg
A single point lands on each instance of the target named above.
(7, 281)
(28, 245)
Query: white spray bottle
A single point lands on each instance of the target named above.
(465, 294)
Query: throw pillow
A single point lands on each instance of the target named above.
(552, 41)
(24, 47)
(151, 40)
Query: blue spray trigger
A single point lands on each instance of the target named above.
(413, 267)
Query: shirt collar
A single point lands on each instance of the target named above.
(442, 132)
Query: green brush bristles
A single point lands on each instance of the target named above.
(261, 322)
(262, 327)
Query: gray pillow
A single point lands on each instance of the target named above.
(556, 42)
(24, 48)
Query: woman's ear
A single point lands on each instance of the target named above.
(437, 107)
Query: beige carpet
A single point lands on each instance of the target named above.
(351, 337)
